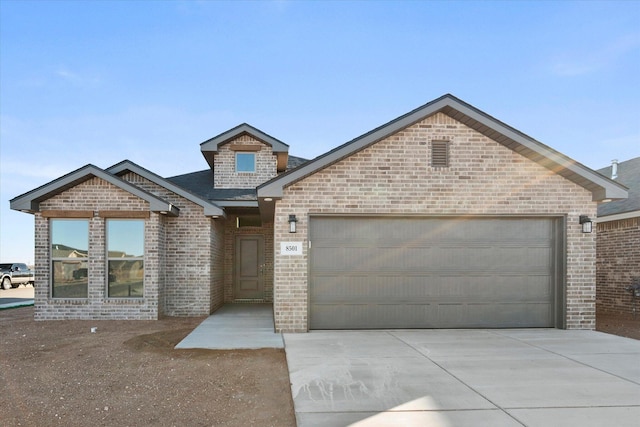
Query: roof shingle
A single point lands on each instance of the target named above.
(629, 176)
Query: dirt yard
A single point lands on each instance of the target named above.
(128, 374)
(624, 326)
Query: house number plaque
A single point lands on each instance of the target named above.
(290, 248)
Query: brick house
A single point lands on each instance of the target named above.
(443, 217)
(618, 243)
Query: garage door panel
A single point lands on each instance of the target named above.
(328, 259)
(431, 272)
(425, 289)
(367, 316)
(415, 256)
(456, 315)
(530, 288)
(496, 315)
(370, 289)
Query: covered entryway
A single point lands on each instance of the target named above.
(435, 272)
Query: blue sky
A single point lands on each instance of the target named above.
(102, 81)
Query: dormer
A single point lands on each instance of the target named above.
(244, 157)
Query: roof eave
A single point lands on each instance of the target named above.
(210, 147)
(274, 188)
(618, 216)
(210, 209)
(212, 144)
(237, 203)
(601, 187)
(30, 201)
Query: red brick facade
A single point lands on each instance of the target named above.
(618, 244)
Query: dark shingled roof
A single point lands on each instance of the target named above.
(293, 162)
(629, 176)
(201, 183)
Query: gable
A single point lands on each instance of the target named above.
(395, 176)
(94, 194)
(30, 201)
(600, 187)
(259, 165)
(211, 147)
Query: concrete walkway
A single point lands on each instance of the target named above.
(535, 377)
(236, 326)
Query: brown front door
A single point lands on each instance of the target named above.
(249, 281)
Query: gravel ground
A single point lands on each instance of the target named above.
(128, 374)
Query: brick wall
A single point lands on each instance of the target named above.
(217, 264)
(191, 251)
(393, 176)
(97, 195)
(225, 175)
(618, 261)
(183, 264)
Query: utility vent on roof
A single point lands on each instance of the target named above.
(440, 154)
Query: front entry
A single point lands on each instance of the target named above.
(249, 267)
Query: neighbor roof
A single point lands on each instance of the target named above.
(30, 202)
(629, 175)
(600, 186)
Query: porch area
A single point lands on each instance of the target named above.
(236, 326)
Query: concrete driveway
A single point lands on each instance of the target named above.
(534, 377)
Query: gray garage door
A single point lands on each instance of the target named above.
(388, 272)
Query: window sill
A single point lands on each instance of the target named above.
(73, 301)
(125, 301)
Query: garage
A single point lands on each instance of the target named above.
(435, 272)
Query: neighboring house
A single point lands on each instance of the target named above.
(444, 217)
(618, 243)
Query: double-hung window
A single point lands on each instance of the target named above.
(125, 254)
(69, 252)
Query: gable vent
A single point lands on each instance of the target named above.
(440, 154)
